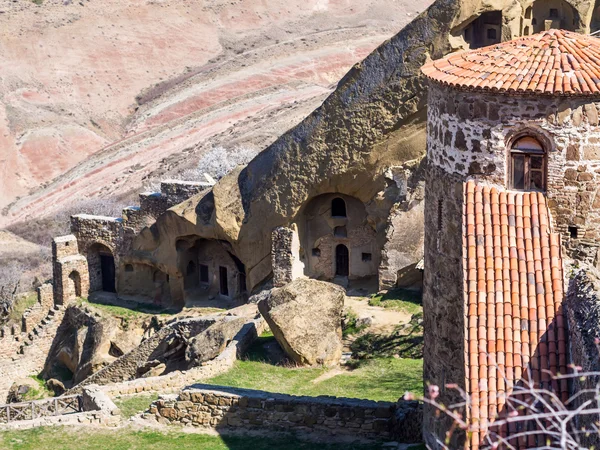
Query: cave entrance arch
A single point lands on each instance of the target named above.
(342, 261)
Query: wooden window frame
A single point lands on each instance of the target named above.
(527, 169)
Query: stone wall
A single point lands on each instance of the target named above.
(33, 316)
(70, 270)
(582, 306)
(469, 134)
(231, 408)
(443, 298)
(321, 231)
(177, 191)
(284, 254)
(24, 354)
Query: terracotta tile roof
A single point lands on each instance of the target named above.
(513, 295)
(554, 62)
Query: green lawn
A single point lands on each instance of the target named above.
(131, 405)
(128, 439)
(135, 311)
(403, 300)
(384, 379)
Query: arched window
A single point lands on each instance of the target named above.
(338, 207)
(527, 165)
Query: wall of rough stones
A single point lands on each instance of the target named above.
(177, 191)
(321, 232)
(222, 408)
(469, 134)
(443, 298)
(24, 354)
(285, 249)
(582, 304)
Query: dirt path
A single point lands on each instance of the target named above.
(384, 320)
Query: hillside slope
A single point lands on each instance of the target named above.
(96, 96)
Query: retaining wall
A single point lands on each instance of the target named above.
(228, 408)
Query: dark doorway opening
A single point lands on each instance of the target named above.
(107, 266)
(224, 289)
(338, 207)
(341, 261)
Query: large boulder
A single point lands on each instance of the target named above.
(211, 342)
(306, 319)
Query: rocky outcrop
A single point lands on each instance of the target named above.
(306, 319)
(86, 342)
(19, 390)
(211, 342)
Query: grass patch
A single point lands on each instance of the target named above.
(131, 405)
(134, 312)
(37, 393)
(128, 439)
(350, 325)
(22, 304)
(404, 300)
(384, 379)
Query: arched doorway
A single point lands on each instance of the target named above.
(342, 261)
(74, 285)
(101, 265)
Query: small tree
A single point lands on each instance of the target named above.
(10, 282)
(218, 162)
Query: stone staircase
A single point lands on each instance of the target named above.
(46, 328)
(29, 356)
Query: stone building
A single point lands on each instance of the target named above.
(513, 145)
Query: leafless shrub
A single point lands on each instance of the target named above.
(536, 417)
(41, 231)
(218, 162)
(11, 273)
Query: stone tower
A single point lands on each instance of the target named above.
(513, 164)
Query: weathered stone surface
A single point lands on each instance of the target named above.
(306, 319)
(20, 388)
(212, 341)
(55, 386)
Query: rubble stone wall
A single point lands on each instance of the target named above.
(443, 297)
(177, 191)
(224, 407)
(470, 134)
(582, 305)
(284, 254)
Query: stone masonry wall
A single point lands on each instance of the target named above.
(468, 135)
(177, 191)
(284, 255)
(97, 229)
(582, 306)
(223, 407)
(443, 298)
(25, 354)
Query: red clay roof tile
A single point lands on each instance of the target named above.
(517, 285)
(553, 62)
